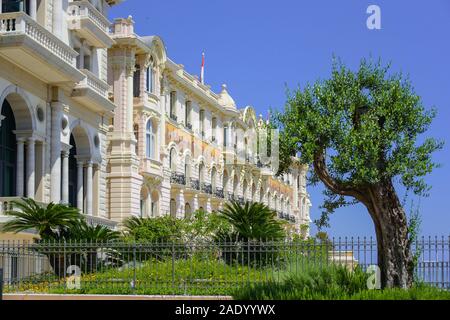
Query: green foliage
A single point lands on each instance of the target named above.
(199, 275)
(160, 229)
(200, 226)
(84, 232)
(55, 222)
(252, 222)
(359, 129)
(206, 226)
(49, 221)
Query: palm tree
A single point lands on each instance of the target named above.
(255, 226)
(84, 232)
(49, 221)
(253, 221)
(58, 225)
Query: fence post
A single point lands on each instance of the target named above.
(134, 268)
(1, 284)
(173, 267)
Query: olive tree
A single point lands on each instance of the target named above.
(359, 131)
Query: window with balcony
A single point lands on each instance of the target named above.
(202, 123)
(172, 106)
(16, 6)
(150, 137)
(213, 179)
(187, 119)
(137, 82)
(225, 136)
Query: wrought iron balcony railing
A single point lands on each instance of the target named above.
(195, 184)
(178, 178)
(206, 188)
(219, 193)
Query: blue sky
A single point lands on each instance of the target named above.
(259, 47)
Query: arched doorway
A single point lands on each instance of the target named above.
(80, 172)
(144, 202)
(187, 211)
(155, 204)
(8, 152)
(173, 208)
(73, 174)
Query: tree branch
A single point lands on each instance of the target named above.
(321, 170)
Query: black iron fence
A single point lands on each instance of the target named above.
(197, 268)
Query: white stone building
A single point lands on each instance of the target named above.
(98, 117)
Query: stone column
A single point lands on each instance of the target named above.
(80, 180)
(33, 9)
(130, 69)
(30, 168)
(89, 188)
(82, 55)
(55, 158)
(57, 18)
(65, 177)
(1, 6)
(20, 166)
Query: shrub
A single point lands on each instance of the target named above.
(332, 283)
(162, 229)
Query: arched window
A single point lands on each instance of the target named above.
(150, 140)
(150, 81)
(202, 123)
(173, 160)
(187, 210)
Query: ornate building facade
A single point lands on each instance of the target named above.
(97, 117)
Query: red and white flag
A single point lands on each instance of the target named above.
(202, 72)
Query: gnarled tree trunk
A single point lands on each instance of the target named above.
(391, 226)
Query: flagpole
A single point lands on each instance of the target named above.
(202, 72)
